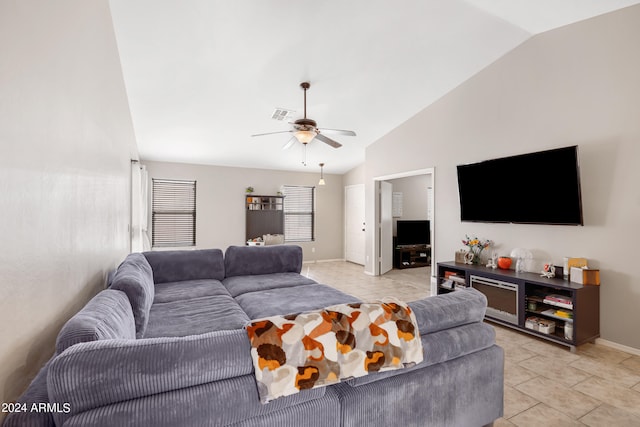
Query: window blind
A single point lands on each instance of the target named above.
(173, 213)
(299, 212)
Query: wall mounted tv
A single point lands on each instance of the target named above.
(413, 232)
(535, 188)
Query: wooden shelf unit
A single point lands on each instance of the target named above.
(584, 301)
(264, 215)
(412, 256)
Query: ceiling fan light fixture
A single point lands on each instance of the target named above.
(321, 182)
(305, 136)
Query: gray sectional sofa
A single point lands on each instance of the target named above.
(165, 345)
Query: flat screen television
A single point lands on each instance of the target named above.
(534, 188)
(413, 232)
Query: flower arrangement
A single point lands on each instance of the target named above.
(476, 246)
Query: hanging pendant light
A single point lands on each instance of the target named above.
(321, 182)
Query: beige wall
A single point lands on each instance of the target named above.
(355, 176)
(220, 212)
(66, 141)
(575, 85)
(414, 197)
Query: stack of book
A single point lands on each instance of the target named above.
(458, 281)
(559, 301)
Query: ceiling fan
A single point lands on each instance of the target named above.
(306, 130)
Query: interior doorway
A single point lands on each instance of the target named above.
(383, 250)
(354, 224)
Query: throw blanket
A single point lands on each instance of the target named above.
(300, 351)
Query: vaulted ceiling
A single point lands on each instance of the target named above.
(204, 75)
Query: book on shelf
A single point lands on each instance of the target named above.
(558, 314)
(457, 279)
(452, 275)
(448, 284)
(558, 300)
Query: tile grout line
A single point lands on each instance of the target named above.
(597, 407)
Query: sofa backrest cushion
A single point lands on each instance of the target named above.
(107, 316)
(135, 278)
(95, 374)
(176, 266)
(250, 260)
(115, 377)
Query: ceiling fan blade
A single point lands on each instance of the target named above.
(329, 141)
(289, 143)
(339, 131)
(271, 133)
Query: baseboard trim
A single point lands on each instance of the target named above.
(617, 346)
(322, 260)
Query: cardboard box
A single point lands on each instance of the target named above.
(546, 326)
(532, 323)
(460, 257)
(585, 276)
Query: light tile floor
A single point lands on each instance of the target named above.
(545, 384)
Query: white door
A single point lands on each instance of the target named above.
(354, 223)
(386, 227)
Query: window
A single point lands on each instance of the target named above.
(299, 212)
(173, 214)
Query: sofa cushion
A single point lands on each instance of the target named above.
(135, 278)
(238, 285)
(195, 316)
(107, 316)
(449, 310)
(188, 289)
(249, 260)
(175, 266)
(294, 299)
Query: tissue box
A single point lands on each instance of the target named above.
(585, 276)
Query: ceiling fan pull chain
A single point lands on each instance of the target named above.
(304, 154)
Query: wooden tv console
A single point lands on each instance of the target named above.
(536, 297)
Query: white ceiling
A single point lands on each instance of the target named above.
(203, 75)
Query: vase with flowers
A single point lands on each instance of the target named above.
(476, 246)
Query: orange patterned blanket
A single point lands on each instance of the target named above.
(300, 351)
